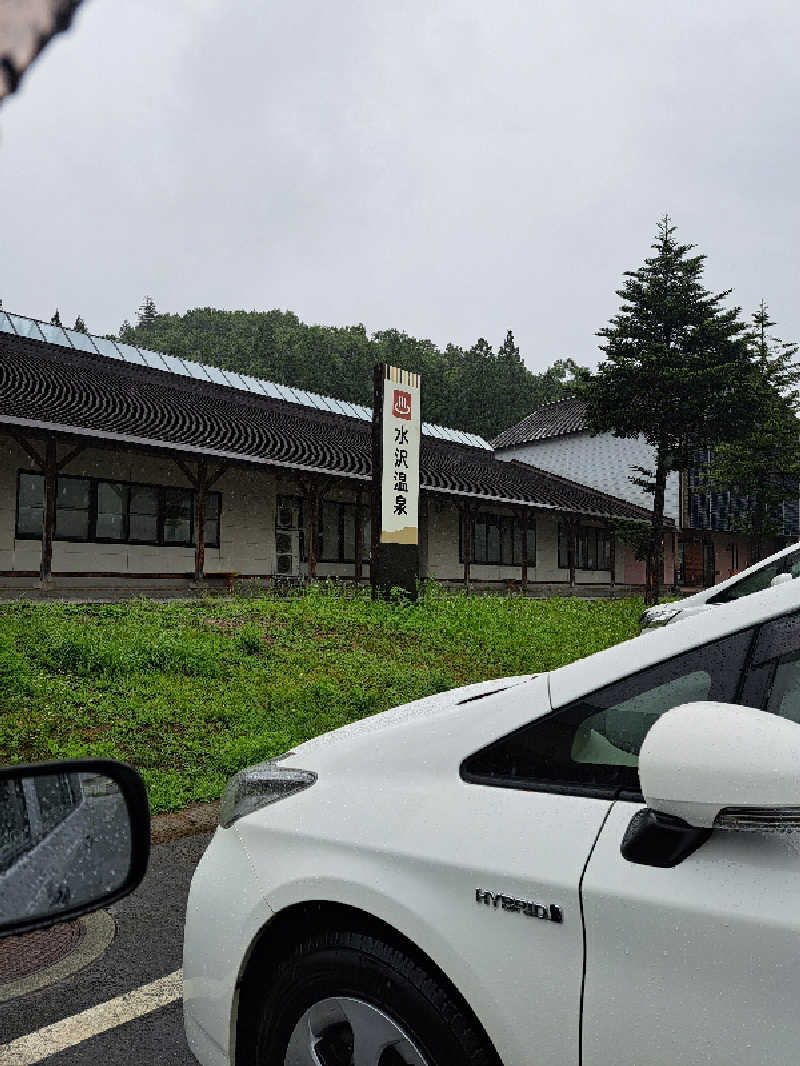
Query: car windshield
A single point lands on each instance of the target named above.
(760, 579)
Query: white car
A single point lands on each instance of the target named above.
(776, 569)
(597, 865)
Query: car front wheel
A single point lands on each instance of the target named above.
(352, 999)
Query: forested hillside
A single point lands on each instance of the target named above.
(478, 389)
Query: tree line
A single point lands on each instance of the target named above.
(478, 389)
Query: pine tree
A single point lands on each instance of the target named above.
(677, 372)
(147, 313)
(80, 325)
(56, 319)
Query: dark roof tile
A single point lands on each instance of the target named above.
(43, 387)
(550, 420)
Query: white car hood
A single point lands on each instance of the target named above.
(420, 713)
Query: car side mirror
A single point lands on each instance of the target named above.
(74, 836)
(722, 766)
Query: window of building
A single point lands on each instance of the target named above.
(72, 508)
(30, 505)
(593, 744)
(592, 548)
(337, 533)
(143, 511)
(113, 498)
(90, 509)
(497, 539)
(178, 516)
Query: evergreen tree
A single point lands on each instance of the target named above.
(147, 313)
(56, 319)
(677, 372)
(764, 467)
(80, 325)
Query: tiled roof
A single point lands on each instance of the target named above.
(550, 420)
(116, 351)
(45, 388)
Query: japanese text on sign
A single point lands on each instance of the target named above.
(401, 444)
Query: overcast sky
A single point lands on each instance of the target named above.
(453, 169)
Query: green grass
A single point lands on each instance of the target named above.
(191, 692)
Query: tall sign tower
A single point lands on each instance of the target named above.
(396, 434)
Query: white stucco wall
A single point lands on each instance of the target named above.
(443, 560)
(603, 462)
(247, 528)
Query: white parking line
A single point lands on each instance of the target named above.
(59, 1036)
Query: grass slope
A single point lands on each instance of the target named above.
(191, 692)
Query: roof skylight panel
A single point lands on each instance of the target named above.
(5, 324)
(237, 381)
(216, 375)
(254, 385)
(161, 361)
(196, 370)
(271, 389)
(131, 354)
(26, 327)
(107, 347)
(54, 334)
(285, 393)
(82, 342)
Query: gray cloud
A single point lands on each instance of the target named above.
(453, 170)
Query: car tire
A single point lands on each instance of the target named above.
(348, 985)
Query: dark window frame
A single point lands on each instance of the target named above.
(499, 521)
(340, 557)
(601, 533)
(92, 538)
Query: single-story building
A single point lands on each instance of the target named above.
(165, 475)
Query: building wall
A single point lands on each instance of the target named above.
(444, 563)
(247, 529)
(604, 462)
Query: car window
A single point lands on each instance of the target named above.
(756, 582)
(773, 678)
(593, 744)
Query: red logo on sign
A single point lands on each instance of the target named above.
(401, 404)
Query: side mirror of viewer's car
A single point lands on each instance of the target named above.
(74, 836)
(706, 766)
(723, 766)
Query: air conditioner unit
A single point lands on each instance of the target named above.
(287, 515)
(287, 552)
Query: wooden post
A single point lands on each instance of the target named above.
(466, 518)
(50, 495)
(200, 491)
(201, 482)
(524, 527)
(359, 539)
(313, 528)
(612, 560)
(50, 466)
(572, 532)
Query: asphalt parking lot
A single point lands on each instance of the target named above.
(146, 947)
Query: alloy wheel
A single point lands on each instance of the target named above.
(341, 1031)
